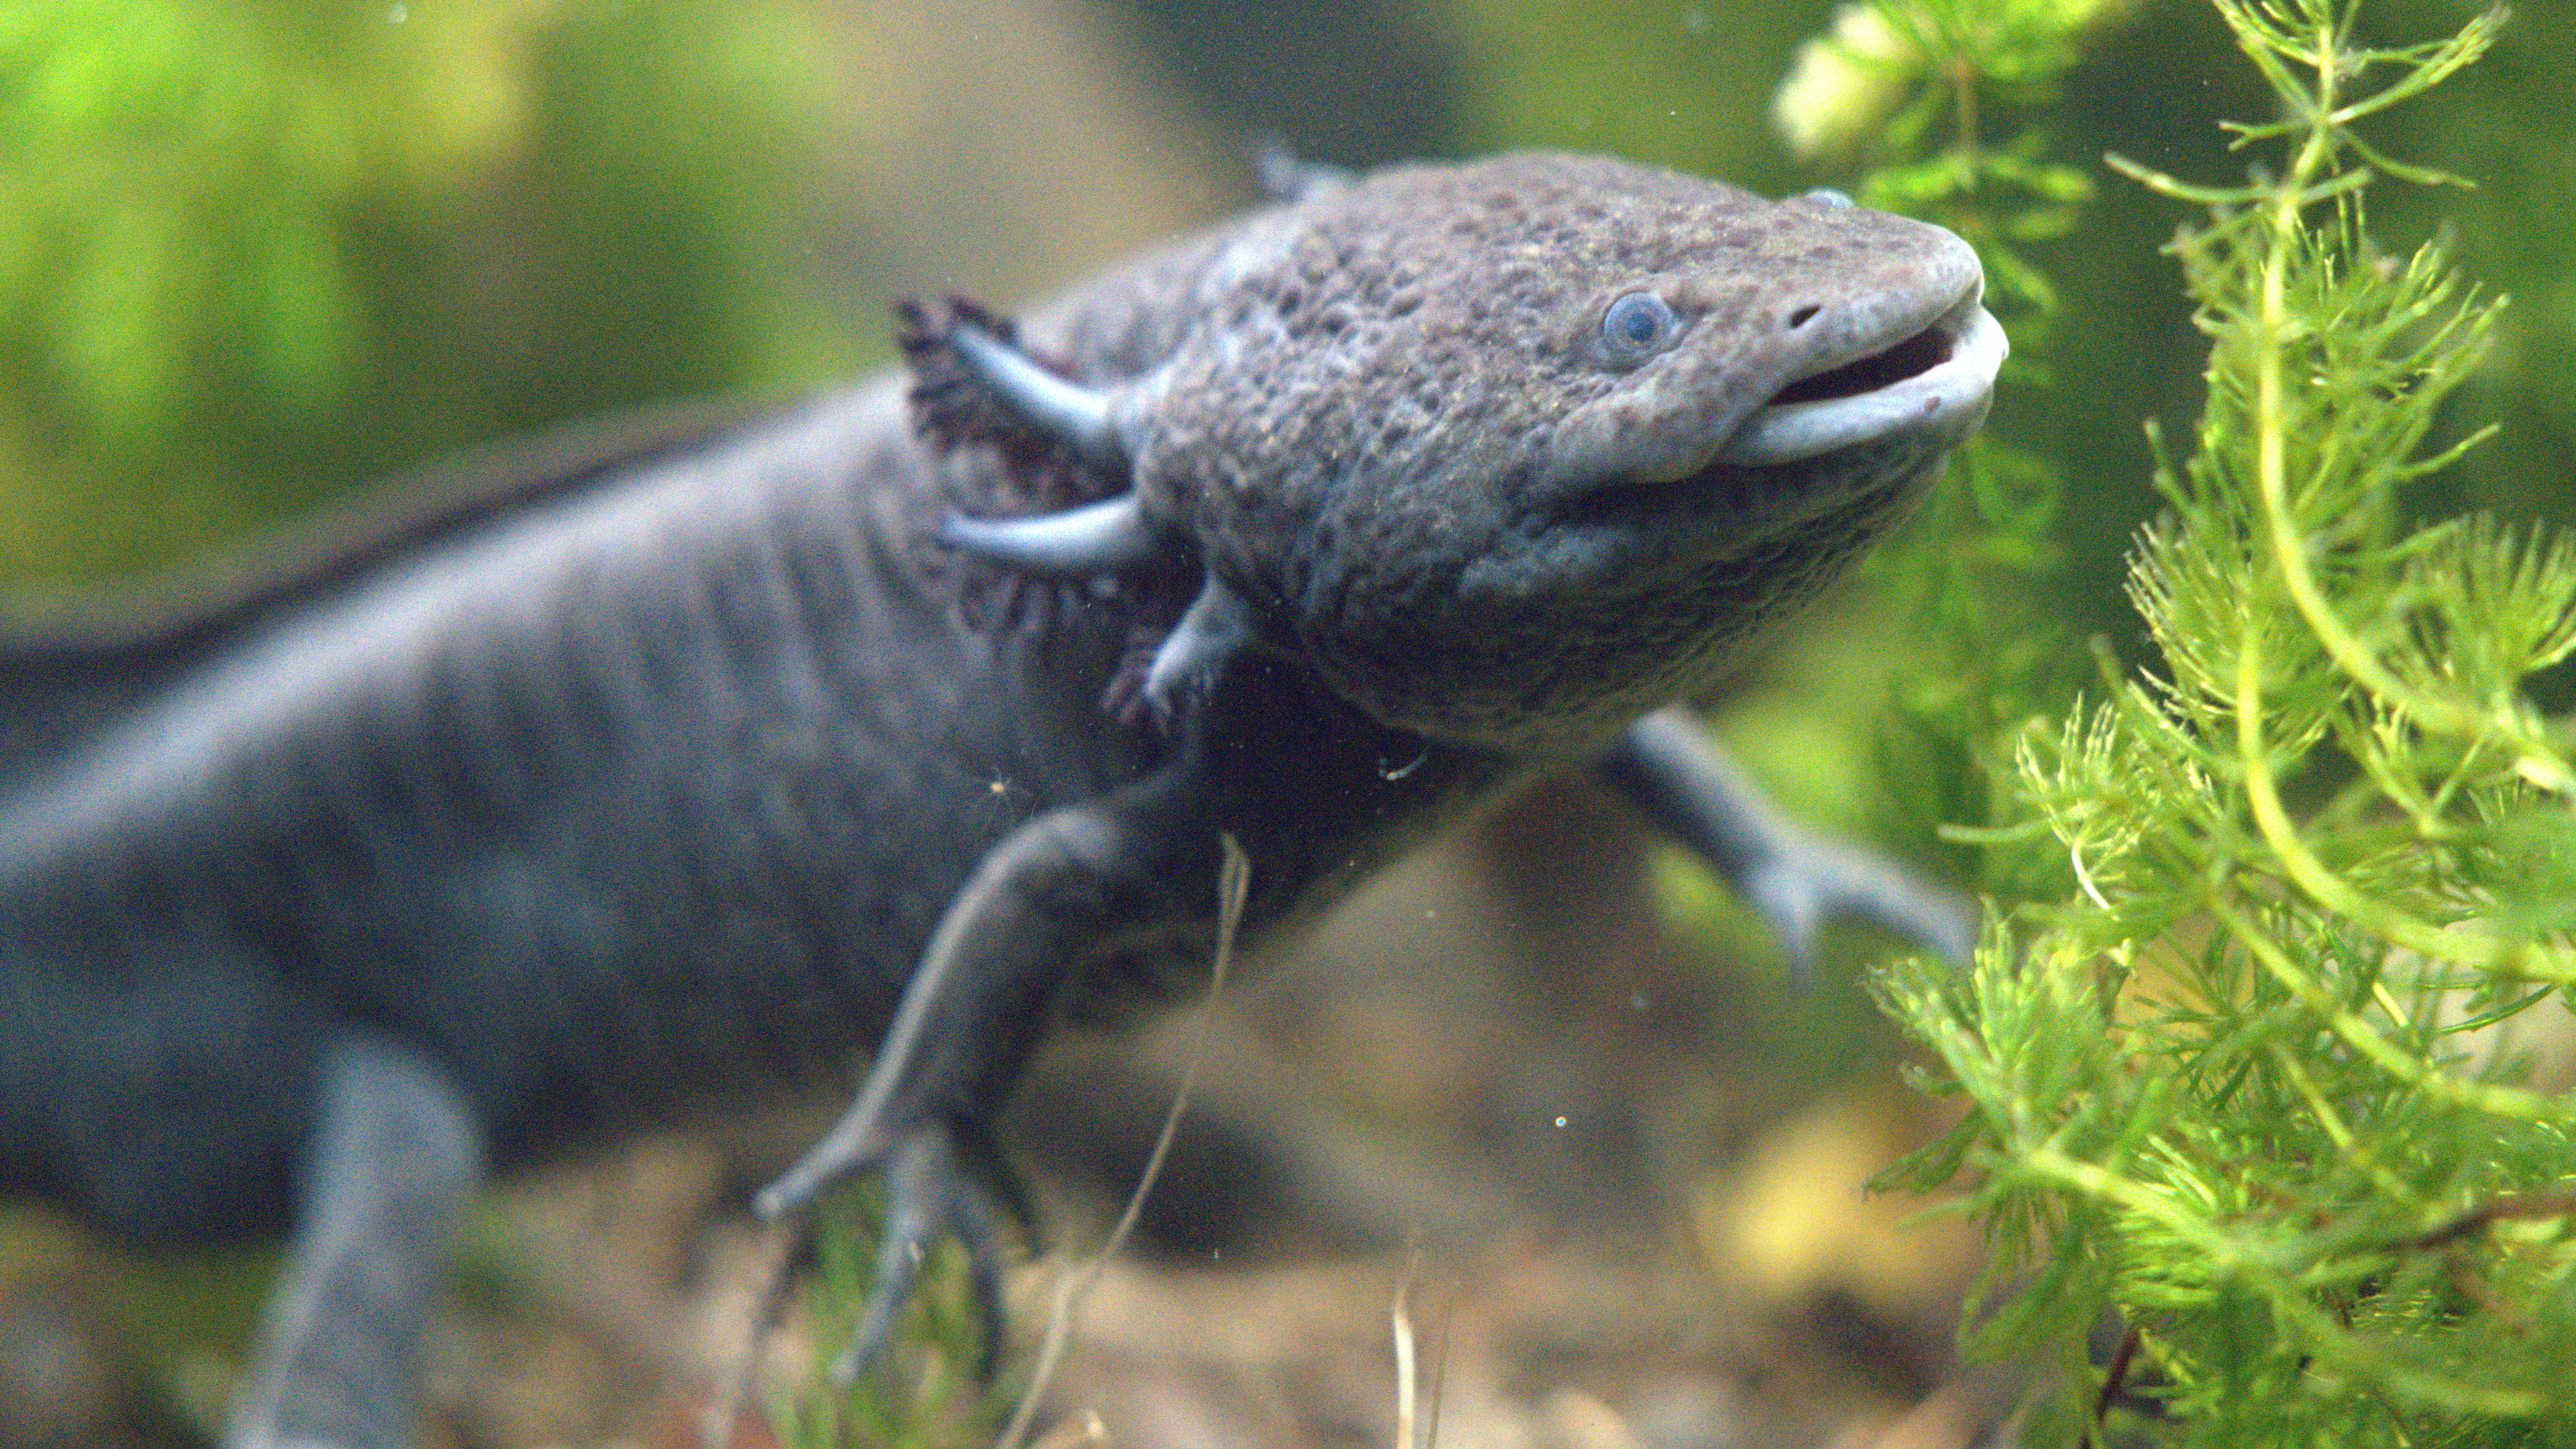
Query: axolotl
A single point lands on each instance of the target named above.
(662, 784)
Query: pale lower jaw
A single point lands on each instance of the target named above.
(1928, 401)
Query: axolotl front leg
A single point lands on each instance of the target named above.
(1067, 888)
(1684, 783)
(1096, 902)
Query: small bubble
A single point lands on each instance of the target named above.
(1636, 1001)
(1695, 19)
(397, 14)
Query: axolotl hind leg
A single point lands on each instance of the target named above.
(394, 1157)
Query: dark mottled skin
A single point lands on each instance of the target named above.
(641, 797)
(1393, 432)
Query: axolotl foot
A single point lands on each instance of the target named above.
(940, 1181)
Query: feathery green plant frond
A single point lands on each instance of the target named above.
(2265, 1088)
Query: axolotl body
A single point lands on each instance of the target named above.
(668, 784)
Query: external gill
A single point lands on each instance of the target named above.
(1083, 419)
(1102, 537)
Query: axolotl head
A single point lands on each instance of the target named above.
(1513, 453)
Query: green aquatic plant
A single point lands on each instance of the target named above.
(2261, 1111)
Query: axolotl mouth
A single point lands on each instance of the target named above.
(1929, 389)
(1935, 381)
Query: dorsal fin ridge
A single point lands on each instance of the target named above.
(172, 613)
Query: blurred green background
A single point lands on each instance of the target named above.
(252, 253)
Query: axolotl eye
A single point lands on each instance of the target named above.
(1636, 326)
